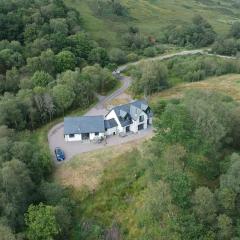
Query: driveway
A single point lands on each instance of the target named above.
(56, 136)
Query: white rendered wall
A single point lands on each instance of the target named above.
(111, 115)
(77, 137)
(92, 136)
(110, 131)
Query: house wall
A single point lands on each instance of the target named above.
(150, 120)
(78, 137)
(111, 115)
(110, 131)
(93, 137)
(134, 125)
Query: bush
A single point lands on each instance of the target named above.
(150, 52)
(117, 56)
(132, 57)
(198, 33)
(229, 47)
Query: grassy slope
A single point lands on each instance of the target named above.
(227, 84)
(152, 15)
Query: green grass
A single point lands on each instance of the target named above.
(152, 15)
(113, 201)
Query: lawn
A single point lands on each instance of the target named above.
(152, 15)
(85, 171)
(106, 186)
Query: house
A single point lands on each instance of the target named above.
(131, 117)
(84, 128)
(111, 127)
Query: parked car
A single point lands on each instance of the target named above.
(59, 154)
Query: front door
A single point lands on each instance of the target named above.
(140, 126)
(128, 129)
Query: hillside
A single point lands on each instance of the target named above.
(152, 16)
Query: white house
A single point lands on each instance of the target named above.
(131, 117)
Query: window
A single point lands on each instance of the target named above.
(71, 135)
(141, 118)
(96, 133)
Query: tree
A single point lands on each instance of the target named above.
(12, 80)
(63, 96)
(225, 228)
(226, 47)
(180, 189)
(101, 78)
(158, 201)
(65, 60)
(6, 233)
(81, 44)
(150, 52)
(235, 30)
(41, 222)
(17, 188)
(99, 55)
(45, 62)
(227, 198)
(10, 113)
(211, 114)
(41, 79)
(204, 205)
(231, 179)
(198, 33)
(117, 56)
(154, 77)
(59, 25)
(176, 126)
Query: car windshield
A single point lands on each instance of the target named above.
(59, 151)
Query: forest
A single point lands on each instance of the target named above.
(44, 72)
(183, 184)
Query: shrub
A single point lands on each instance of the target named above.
(132, 57)
(150, 52)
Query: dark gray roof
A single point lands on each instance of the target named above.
(85, 124)
(133, 110)
(110, 123)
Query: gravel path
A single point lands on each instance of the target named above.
(56, 137)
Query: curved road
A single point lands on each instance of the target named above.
(55, 135)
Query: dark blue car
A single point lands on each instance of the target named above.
(59, 154)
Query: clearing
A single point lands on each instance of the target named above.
(86, 170)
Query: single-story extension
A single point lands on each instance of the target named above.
(84, 128)
(131, 117)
